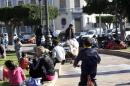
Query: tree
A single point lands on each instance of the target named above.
(34, 16)
(106, 20)
(119, 8)
(24, 14)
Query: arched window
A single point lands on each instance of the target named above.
(63, 22)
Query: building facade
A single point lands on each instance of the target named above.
(11, 3)
(70, 12)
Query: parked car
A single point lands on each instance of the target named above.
(127, 39)
(27, 38)
(32, 39)
(90, 34)
(78, 34)
(21, 38)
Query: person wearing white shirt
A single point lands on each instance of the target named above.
(73, 46)
(58, 53)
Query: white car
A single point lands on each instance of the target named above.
(90, 34)
(78, 34)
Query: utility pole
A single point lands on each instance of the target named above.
(48, 36)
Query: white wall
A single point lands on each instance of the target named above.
(68, 18)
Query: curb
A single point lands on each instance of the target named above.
(115, 52)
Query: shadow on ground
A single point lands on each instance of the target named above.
(69, 76)
(123, 84)
(113, 72)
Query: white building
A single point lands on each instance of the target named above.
(11, 3)
(71, 13)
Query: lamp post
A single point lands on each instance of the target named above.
(40, 6)
(48, 35)
(48, 41)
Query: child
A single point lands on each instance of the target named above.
(90, 58)
(18, 48)
(15, 74)
(24, 61)
(58, 52)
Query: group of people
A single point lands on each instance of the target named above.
(41, 66)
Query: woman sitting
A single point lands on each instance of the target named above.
(41, 67)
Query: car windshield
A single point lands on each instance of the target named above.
(109, 31)
(127, 29)
(90, 32)
(77, 34)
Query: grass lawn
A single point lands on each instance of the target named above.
(10, 56)
(124, 50)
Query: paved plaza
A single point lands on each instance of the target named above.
(112, 71)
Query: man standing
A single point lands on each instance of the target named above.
(69, 33)
(38, 34)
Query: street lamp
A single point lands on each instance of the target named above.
(40, 6)
(48, 35)
(48, 42)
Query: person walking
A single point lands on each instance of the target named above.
(90, 58)
(15, 74)
(17, 47)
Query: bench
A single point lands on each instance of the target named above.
(53, 82)
(57, 74)
(58, 68)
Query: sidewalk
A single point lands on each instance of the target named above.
(26, 47)
(120, 53)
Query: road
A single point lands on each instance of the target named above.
(112, 71)
(25, 47)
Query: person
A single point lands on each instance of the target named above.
(24, 61)
(69, 33)
(94, 42)
(41, 68)
(38, 34)
(58, 52)
(17, 47)
(5, 40)
(73, 49)
(15, 74)
(2, 51)
(90, 58)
